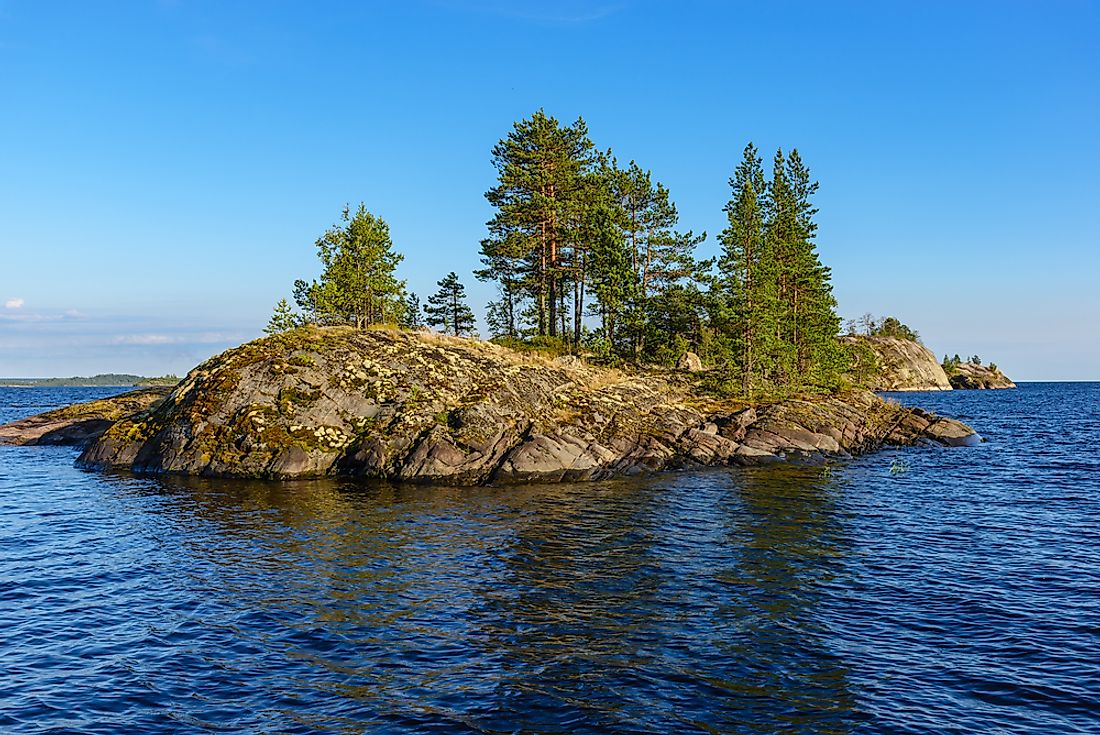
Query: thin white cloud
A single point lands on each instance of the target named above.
(16, 303)
(144, 339)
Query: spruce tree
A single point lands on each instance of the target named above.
(821, 358)
(447, 307)
(744, 274)
(282, 320)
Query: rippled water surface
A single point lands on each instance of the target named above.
(959, 596)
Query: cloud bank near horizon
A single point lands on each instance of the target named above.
(60, 343)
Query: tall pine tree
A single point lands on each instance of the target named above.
(540, 168)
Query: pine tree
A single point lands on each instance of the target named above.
(282, 320)
(447, 307)
(412, 317)
(660, 257)
(358, 284)
(540, 168)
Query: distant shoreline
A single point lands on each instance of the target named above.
(108, 380)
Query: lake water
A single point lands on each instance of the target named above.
(961, 595)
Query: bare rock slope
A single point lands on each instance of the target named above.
(413, 406)
(902, 365)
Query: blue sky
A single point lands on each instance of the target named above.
(166, 166)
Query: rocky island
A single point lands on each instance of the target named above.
(81, 423)
(419, 406)
(973, 376)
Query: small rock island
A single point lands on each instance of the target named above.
(590, 261)
(419, 406)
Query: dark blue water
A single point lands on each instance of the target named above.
(959, 596)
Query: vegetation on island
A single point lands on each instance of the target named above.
(871, 326)
(588, 256)
(951, 365)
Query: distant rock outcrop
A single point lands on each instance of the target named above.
(902, 365)
(423, 407)
(968, 375)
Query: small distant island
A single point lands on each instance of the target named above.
(613, 349)
(103, 380)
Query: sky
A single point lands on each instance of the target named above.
(166, 166)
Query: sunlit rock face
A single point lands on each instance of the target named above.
(902, 365)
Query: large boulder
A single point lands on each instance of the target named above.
(422, 407)
(690, 361)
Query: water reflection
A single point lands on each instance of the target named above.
(957, 597)
(789, 539)
(686, 602)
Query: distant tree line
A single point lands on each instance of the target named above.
(588, 255)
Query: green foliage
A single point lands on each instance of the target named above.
(613, 281)
(773, 298)
(975, 360)
(550, 346)
(358, 285)
(447, 307)
(533, 250)
(412, 316)
(576, 235)
(282, 320)
(660, 257)
(864, 361)
(888, 326)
